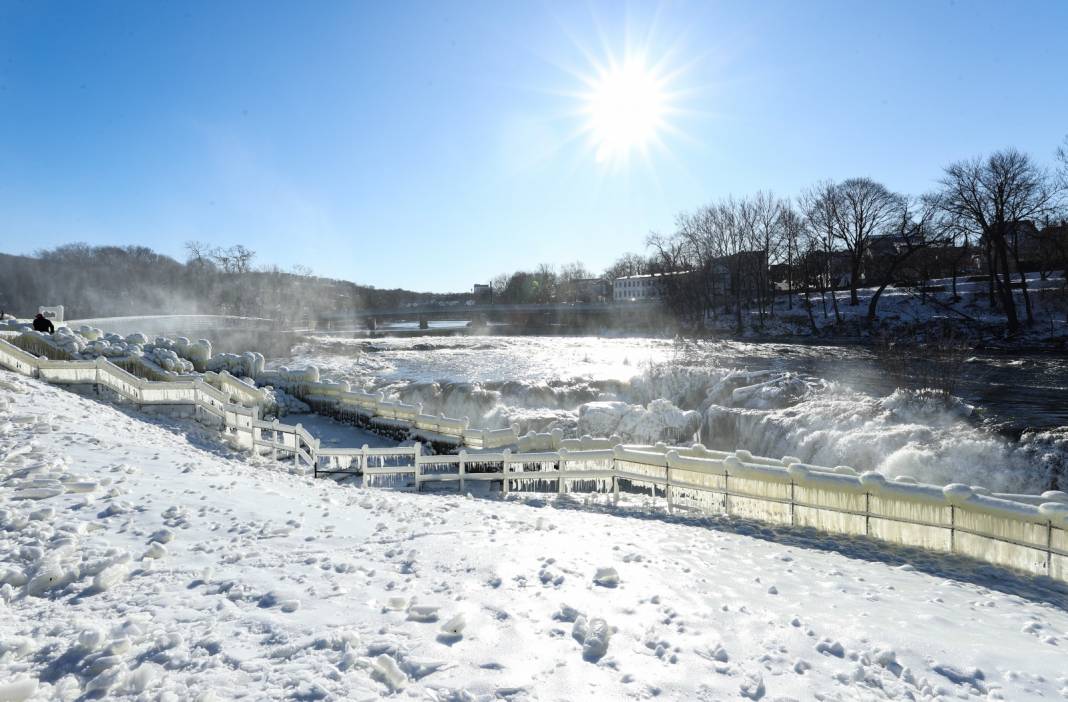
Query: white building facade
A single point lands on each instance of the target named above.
(633, 288)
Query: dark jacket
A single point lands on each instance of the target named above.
(42, 324)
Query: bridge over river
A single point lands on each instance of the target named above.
(579, 315)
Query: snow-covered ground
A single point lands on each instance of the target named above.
(142, 560)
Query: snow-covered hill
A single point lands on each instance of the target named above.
(144, 560)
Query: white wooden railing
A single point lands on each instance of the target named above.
(1028, 535)
(1025, 532)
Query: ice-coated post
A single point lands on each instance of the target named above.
(616, 450)
(418, 467)
(462, 470)
(955, 493)
(671, 455)
(274, 440)
(561, 467)
(728, 463)
(296, 445)
(363, 463)
(504, 470)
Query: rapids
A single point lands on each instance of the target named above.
(831, 405)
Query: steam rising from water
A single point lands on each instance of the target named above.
(766, 399)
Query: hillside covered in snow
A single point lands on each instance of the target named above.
(141, 559)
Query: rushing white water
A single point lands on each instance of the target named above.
(827, 405)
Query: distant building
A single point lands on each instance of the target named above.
(482, 293)
(631, 288)
(637, 288)
(590, 290)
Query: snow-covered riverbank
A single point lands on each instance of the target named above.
(142, 560)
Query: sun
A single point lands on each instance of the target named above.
(626, 109)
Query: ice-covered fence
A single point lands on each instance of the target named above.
(67, 372)
(396, 468)
(191, 396)
(240, 392)
(1026, 532)
(490, 438)
(18, 360)
(439, 428)
(956, 518)
(291, 441)
(398, 411)
(39, 346)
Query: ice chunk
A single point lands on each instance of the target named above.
(423, 613)
(49, 577)
(110, 576)
(593, 635)
(606, 577)
(155, 550)
(453, 630)
(18, 689)
(386, 670)
(567, 613)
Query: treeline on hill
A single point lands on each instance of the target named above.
(993, 219)
(105, 281)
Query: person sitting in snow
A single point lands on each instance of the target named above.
(43, 324)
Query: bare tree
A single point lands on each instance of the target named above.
(680, 276)
(545, 283)
(994, 195)
(914, 232)
(792, 225)
(820, 204)
(730, 239)
(863, 209)
(810, 269)
(497, 286)
(627, 264)
(1062, 158)
(762, 214)
(198, 253)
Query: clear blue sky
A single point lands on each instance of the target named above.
(432, 145)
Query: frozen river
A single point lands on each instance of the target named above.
(826, 404)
